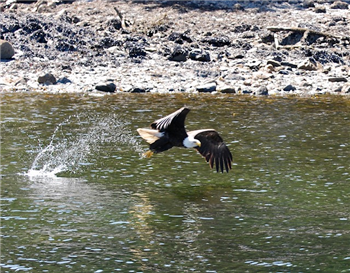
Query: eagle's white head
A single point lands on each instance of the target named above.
(191, 142)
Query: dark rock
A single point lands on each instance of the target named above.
(48, 78)
(136, 49)
(277, 57)
(108, 42)
(236, 55)
(247, 91)
(324, 56)
(65, 45)
(267, 37)
(283, 72)
(139, 90)
(320, 9)
(242, 28)
(179, 54)
(114, 24)
(64, 80)
(337, 79)
(262, 91)
(175, 37)
(180, 38)
(109, 87)
(155, 29)
(289, 87)
(339, 5)
(199, 55)
(291, 65)
(39, 36)
(242, 45)
(6, 50)
(227, 89)
(207, 88)
(217, 41)
(292, 38)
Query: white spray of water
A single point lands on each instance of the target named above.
(78, 137)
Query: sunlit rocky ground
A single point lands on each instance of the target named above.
(248, 47)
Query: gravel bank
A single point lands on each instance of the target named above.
(265, 48)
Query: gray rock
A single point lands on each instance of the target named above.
(320, 9)
(179, 54)
(217, 41)
(308, 3)
(339, 5)
(309, 65)
(209, 87)
(346, 89)
(226, 89)
(6, 50)
(262, 91)
(199, 55)
(109, 87)
(48, 78)
(237, 7)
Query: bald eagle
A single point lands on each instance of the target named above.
(169, 131)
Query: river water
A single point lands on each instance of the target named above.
(76, 196)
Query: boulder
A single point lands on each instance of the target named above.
(320, 9)
(207, 88)
(339, 5)
(6, 50)
(262, 91)
(199, 55)
(109, 87)
(289, 87)
(48, 78)
(179, 54)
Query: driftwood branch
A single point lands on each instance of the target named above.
(121, 17)
(306, 32)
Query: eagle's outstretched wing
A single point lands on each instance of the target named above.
(174, 121)
(213, 149)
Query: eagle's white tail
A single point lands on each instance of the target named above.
(149, 135)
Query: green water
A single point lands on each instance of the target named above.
(284, 207)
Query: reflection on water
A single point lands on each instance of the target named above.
(283, 208)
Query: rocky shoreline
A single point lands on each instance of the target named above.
(238, 47)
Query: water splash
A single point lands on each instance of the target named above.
(78, 137)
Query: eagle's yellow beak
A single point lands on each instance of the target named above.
(198, 143)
